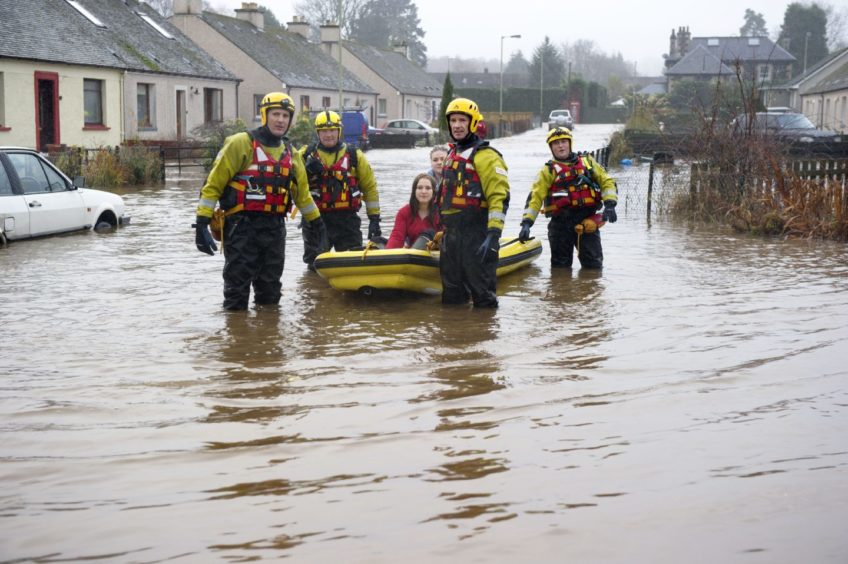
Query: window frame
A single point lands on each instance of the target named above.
(88, 93)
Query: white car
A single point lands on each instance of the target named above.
(560, 118)
(417, 129)
(37, 199)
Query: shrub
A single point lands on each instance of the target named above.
(104, 170)
(142, 165)
(213, 135)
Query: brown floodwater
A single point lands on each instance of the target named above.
(687, 404)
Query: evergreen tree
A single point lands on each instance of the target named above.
(554, 67)
(803, 34)
(754, 26)
(447, 96)
(519, 67)
(385, 23)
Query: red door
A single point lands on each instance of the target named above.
(46, 110)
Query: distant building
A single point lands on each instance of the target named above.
(707, 58)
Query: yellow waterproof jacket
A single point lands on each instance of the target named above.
(363, 173)
(545, 179)
(237, 155)
(492, 170)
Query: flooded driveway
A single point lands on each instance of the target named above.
(687, 404)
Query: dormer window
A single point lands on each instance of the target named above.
(155, 25)
(89, 16)
(753, 41)
(712, 42)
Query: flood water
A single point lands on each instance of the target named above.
(689, 403)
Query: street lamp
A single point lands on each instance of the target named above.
(500, 105)
(806, 40)
(541, 84)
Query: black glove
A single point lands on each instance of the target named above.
(314, 166)
(318, 226)
(202, 236)
(524, 234)
(491, 245)
(609, 211)
(374, 226)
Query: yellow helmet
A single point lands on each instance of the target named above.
(558, 133)
(328, 120)
(275, 100)
(467, 107)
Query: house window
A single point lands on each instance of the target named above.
(381, 107)
(93, 101)
(325, 102)
(145, 96)
(257, 101)
(763, 73)
(346, 103)
(213, 105)
(304, 103)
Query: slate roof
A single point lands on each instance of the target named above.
(286, 55)
(797, 81)
(837, 79)
(404, 75)
(54, 31)
(699, 61)
(731, 48)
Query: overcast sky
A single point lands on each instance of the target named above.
(638, 30)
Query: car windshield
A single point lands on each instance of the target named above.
(787, 121)
(557, 113)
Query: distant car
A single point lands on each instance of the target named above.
(37, 199)
(560, 118)
(355, 129)
(417, 129)
(784, 125)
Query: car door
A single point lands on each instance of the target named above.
(54, 206)
(14, 213)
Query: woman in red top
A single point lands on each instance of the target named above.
(416, 217)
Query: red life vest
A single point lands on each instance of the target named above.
(460, 187)
(264, 185)
(572, 187)
(336, 189)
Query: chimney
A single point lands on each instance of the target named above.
(401, 48)
(299, 25)
(249, 12)
(184, 7)
(672, 45)
(330, 33)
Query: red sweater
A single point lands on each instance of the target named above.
(408, 227)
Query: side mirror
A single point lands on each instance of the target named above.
(79, 181)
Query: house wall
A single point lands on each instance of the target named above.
(827, 111)
(19, 127)
(398, 104)
(164, 104)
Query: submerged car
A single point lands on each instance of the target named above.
(787, 126)
(560, 118)
(37, 199)
(417, 129)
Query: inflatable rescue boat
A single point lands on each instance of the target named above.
(414, 270)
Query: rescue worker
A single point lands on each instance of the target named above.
(340, 178)
(255, 179)
(473, 201)
(572, 188)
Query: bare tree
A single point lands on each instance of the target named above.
(319, 12)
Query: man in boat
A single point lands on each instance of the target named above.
(473, 201)
(255, 179)
(573, 188)
(340, 178)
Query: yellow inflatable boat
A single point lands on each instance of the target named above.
(408, 269)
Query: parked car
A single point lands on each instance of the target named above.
(785, 125)
(560, 118)
(417, 129)
(37, 199)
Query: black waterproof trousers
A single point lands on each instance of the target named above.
(254, 253)
(464, 274)
(344, 232)
(563, 240)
